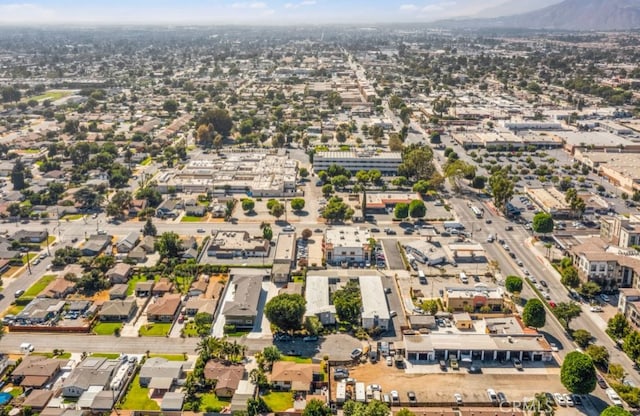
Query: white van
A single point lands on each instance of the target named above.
(463, 278)
(26, 347)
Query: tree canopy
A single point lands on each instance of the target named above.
(513, 284)
(286, 311)
(615, 411)
(417, 209)
(348, 302)
(578, 373)
(542, 223)
(534, 313)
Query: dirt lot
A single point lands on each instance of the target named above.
(472, 387)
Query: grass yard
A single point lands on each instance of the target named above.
(132, 283)
(146, 161)
(138, 397)
(190, 330)
(72, 217)
(52, 95)
(106, 328)
(50, 240)
(16, 391)
(155, 330)
(279, 401)
(170, 357)
(191, 218)
(107, 355)
(39, 286)
(211, 403)
(64, 355)
(299, 360)
(14, 309)
(31, 256)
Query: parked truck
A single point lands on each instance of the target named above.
(360, 393)
(341, 392)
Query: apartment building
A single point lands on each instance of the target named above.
(385, 162)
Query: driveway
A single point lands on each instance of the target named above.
(392, 253)
(262, 326)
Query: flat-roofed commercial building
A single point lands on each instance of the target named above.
(229, 244)
(385, 162)
(472, 299)
(346, 245)
(318, 296)
(284, 258)
(375, 312)
(380, 201)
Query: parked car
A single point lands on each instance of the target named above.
(517, 364)
(390, 361)
(458, 398)
(604, 297)
(310, 338)
(559, 398)
(493, 396)
(474, 369)
(356, 353)
(568, 400)
(395, 397)
(502, 398)
(412, 397)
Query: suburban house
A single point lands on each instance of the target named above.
(160, 374)
(58, 288)
(118, 291)
(168, 208)
(165, 308)
(37, 371)
(194, 306)
(25, 236)
(118, 310)
(143, 289)
(195, 210)
(136, 206)
(119, 273)
(95, 245)
(199, 286)
(128, 242)
(288, 375)
(92, 372)
(38, 399)
(40, 310)
(284, 258)
(162, 286)
(243, 309)
(227, 377)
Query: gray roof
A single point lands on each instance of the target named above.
(92, 371)
(374, 301)
(172, 401)
(247, 294)
(118, 307)
(158, 367)
(130, 240)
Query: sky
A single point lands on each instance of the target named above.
(268, 12)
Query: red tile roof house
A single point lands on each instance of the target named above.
(165, 308)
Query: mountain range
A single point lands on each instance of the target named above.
(588, 15)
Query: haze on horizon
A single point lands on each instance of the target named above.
(267, 12)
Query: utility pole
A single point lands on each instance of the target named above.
(48, 252)
(28, 261)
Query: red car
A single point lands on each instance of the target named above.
(552, 304)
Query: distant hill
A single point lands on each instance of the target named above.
(608, 15)
(511, 7)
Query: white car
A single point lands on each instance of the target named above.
(458, 398)
(493, 396)
(559, 398)
(569, 400)
(395, 396)
(604, 297)
(389, 361)
(595, 309)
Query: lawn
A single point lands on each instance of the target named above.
(279, 401)
(14, 309)
(155, 330)
(72, 217)
(146, 161)
(107, 355)
(138, 397)
(31, 257)
(299, 360)
(106, 328)
(211, 403)
(64, 355)
(39, 286)
(170, 357)
(190, 330)
(132, 283)
(52, 95)
(237, 333)
(50, 240)
(191, 218)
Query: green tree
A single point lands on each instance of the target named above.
(615, 411)
(590, 289)
(599, 354)
(582, 337)
(169, 245)
(339, 181)
(404, 412)
(271, 354)
(417, 209)
(578, 374)
(631, 345)
(618, 327)
(542, 223)
(18, 175)
(316, 407)
(170, 106)
(327, 190)
(513, 284)
(430, 306)
(501, 189)
(257, 407)
(570, 277)
(567, 311)
(348, 302)
(149, 228)
(219, 118)
(286, 311)
(277, 209)
(248, 204)
(267, 233)
(297, 204)
(401, 210)
(457, 169)
(417, 163)
(534, 313)
(336, 210)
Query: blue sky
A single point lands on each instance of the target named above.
(236, 11)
